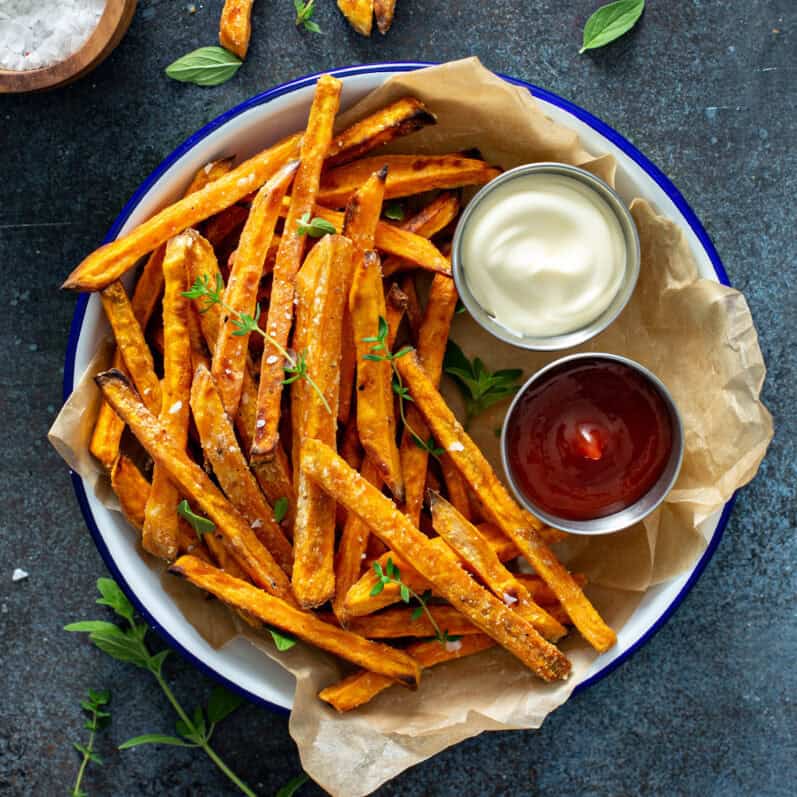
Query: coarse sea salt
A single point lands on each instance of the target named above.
(39, 33)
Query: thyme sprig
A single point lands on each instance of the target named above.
(391, 574)
(96, 706)
(245, 324)
(380, 352)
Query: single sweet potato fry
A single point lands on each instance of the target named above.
(195, 484)
(356, 535)
(321, 293)
(352, 548)
(384, 11)
(376, 421)
(359, 225)
(394, 241)
(401, 118)
(108, 428)
(439, 567)
(360, 687)
(131, 488)
(160, 535)
(432, 337)
(131, 344)
(501, 509)
(396, 623)
(474, 549)
(110, 261)
(231, 468)
(374, 656)
(235, 26)
(541, 592)
(437, 215)
(456, 486)
(240, 296)
(359, 13)
(407, 175)
(315, 144)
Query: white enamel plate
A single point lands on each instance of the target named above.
(240, 132)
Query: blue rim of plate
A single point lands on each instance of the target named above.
(285, 88)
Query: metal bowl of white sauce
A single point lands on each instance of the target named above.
(545, 256)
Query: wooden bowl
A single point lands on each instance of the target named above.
(113, 25)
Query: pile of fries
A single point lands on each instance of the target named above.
(275, 353)
(235, 24)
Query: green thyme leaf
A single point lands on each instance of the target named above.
(315, 228)
(610, 22)
(394, 211)
(201, 525)
(281, 506)
(281, 640)
(304, 12)
(207, 66)
(113, 596)
(153, 738)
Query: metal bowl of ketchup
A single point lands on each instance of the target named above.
(592, 443)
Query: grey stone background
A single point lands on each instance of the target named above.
(706, 89)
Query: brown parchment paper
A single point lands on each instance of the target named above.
(695, 334)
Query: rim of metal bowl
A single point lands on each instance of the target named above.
(644, 505)
(564, 340)
(604, 130)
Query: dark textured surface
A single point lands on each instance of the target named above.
(706, 88)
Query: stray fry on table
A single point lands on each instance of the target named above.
(235, 26)
(359, 13)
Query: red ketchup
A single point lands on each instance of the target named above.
(588, 439)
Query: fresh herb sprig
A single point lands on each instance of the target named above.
(96, 706)
(610, 22)
(296, 366)
(281, 506)
(391, 574)
(480, 388)
(128, 645)
(304, 13)
(315, 227)
(380, 352)
(394, 210)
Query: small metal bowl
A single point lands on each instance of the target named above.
(644, 505)
(568, 339)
